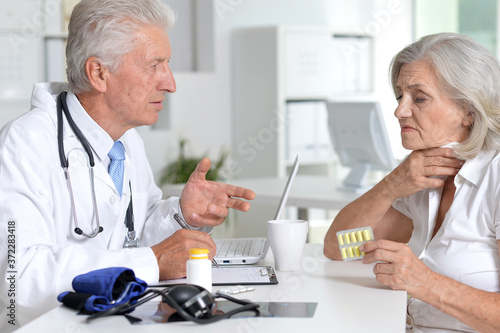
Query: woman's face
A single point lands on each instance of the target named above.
(427, 116)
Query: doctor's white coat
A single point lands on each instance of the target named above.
(35, 207)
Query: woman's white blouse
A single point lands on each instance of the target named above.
(465, 248)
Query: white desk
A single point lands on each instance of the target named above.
(348, 296)
(306, 192)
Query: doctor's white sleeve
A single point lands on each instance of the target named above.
(48, 254)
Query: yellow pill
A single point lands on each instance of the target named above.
(367, 235)
(360, 236)
(357, 252)
(344, 253)
(349, 250)
(341, 239)
(347, 239)
(353, 237)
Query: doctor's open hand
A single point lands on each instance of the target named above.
(399, 268)
(419, 170)
(173, 252)
(206, 203)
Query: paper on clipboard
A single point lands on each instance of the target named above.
(234, 275)
(243, 275)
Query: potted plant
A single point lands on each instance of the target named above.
(179, 170)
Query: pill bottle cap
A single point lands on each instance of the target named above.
(198, 253)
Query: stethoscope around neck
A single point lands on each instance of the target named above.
(131, 240)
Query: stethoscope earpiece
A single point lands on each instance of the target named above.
(79, 231)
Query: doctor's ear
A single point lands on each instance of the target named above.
(97, 73)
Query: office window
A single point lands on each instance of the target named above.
(478, 19)
(474, 18)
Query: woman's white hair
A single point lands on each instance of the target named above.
(470, 75)
(105, 29)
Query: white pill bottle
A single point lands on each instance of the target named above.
(199, 268)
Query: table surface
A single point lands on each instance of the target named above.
(348, 296)
(306, 191)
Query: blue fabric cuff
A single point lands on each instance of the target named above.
(102, 289)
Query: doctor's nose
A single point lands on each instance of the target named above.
(167, 81)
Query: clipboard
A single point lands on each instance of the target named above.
(243, 275)
(233, 275)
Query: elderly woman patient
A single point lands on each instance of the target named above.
(436, 217)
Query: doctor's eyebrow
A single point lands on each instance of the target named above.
(158, 59)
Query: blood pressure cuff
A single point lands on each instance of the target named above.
(102, 289)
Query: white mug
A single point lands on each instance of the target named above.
(287, 239)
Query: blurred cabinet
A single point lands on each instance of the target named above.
(352, 57)
(30, 35)
(307, 65)
(281, 78)
(33, 36)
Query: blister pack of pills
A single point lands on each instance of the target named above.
(234, 290)
(351, 240)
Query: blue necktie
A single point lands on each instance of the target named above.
(116, 166)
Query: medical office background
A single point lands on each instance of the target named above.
(315, 50)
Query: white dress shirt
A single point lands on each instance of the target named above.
(465, 248)
(35, 195)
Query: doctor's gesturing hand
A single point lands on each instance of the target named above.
(206, 203)
(203, 203)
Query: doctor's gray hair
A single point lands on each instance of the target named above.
(105, 29)
(469, 74)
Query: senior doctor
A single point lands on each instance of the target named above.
(117, 57)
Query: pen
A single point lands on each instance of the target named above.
(184, 225)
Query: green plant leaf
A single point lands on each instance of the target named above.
(178, 171)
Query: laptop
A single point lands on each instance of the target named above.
(247, 251)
